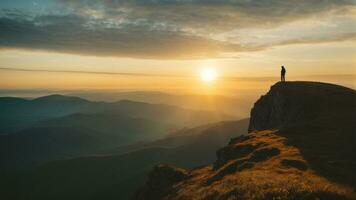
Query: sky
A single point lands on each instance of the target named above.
(166, 44)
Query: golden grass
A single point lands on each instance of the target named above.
(282, 176)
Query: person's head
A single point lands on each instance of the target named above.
(282, 66)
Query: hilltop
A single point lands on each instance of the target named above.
(300, 146)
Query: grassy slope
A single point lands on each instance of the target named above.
(271, 170)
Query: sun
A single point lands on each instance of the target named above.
(208, 75)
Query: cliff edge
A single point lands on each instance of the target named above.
(298, 103)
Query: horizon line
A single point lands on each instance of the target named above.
(158, 75)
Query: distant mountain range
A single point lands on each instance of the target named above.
(20, 113)
(235, 104)
(58, 127)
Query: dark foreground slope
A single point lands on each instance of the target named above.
(118, 176)
(73, 136)
(301, 146)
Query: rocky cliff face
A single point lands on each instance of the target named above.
(301, 145)
(294, 103)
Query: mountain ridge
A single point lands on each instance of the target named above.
(18, 113)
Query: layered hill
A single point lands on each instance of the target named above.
(17, 114)
(301, 145)
(118, 176)
(60, 127)
(237, 105)
(73, 136)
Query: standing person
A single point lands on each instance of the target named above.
(283, 74)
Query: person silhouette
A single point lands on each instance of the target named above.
(283, 74)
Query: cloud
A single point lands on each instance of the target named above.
(333, 38)
(172, 29)
(331, 29)
(70, 34)
(214, 15)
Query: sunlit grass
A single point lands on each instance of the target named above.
(268, 179)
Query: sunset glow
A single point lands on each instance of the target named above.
(208, 75)
(74, 45)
